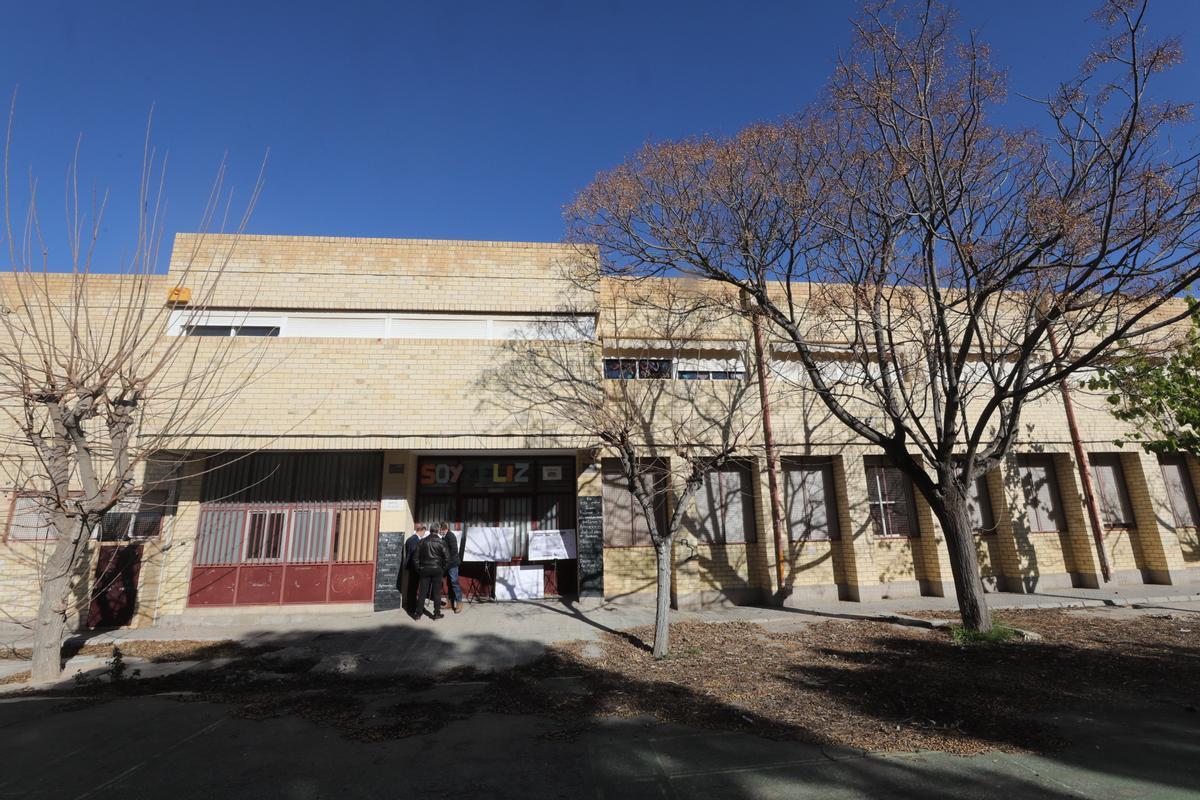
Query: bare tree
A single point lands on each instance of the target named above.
(933, 270)
(92, 387)
(665, 434)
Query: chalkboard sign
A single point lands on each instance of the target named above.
(590, 544)
(389, 560)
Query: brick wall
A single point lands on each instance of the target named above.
(403, 395)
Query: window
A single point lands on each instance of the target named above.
(30, 520)
(979, 505)
(231, 330)
(264, 537)
(624, 520)
(1111, 492)
(637, 368)
(136, 517)
(809, 499)
(1180, 490)
(1044, 504)
(724, 506)
(710, 369)
(375, 325)
(209, 330)
(889, 494)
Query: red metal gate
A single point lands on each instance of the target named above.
(273, 553)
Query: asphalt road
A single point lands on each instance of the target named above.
(171, 747)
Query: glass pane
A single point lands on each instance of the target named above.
(654, 368)
(115, 526)
(477, 511)
(979, 504)
(517, 513)
(1180, 491)
(264, 539)
(435, 510)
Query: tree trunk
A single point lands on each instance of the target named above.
(46, 666)
(662, 630)
(964, 564)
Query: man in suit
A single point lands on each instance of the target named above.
(455, 591)
(410, 567)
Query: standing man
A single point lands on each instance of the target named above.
(432, 558)
(455, 591)
(410, 567)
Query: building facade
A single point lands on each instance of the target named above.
(384, 393)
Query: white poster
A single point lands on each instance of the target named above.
(519, 583)
(550, 545)
(488, 544)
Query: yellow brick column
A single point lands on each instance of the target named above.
(857, 542)
(178, 543)
(1162, 556)
(686, 583)
(761, 554)
(399, 491)
(932, 556)
(1083, 562)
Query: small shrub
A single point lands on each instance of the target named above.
(999, 634)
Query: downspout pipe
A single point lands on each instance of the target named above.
(769, 441)
(1085, 472)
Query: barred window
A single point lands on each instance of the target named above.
(1180, 490)
(1043, 502)
(723, 512)
(889, 495)
(625, 522)
(1111, 491)
(30, 520)
(809, 498)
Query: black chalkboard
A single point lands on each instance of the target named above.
(590, 543)
(389, 560)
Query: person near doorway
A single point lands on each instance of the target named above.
(432, 558)
(454, 591)
(411, 578)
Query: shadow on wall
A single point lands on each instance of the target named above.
(410, 683)
(1016, 490)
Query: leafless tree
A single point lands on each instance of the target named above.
(665, 434)
(93, 390)
(933, 270)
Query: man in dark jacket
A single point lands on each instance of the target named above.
(455, 591)
(432, 558)
(411, 579)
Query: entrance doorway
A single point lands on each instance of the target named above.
(524, 494)
(114, 593)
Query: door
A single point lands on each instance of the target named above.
(114, 592)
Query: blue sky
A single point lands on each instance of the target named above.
(458, 120)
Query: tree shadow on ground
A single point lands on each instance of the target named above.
(387, 684)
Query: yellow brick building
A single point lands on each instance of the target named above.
(378, 399)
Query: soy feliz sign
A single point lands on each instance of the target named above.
(487, 473)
